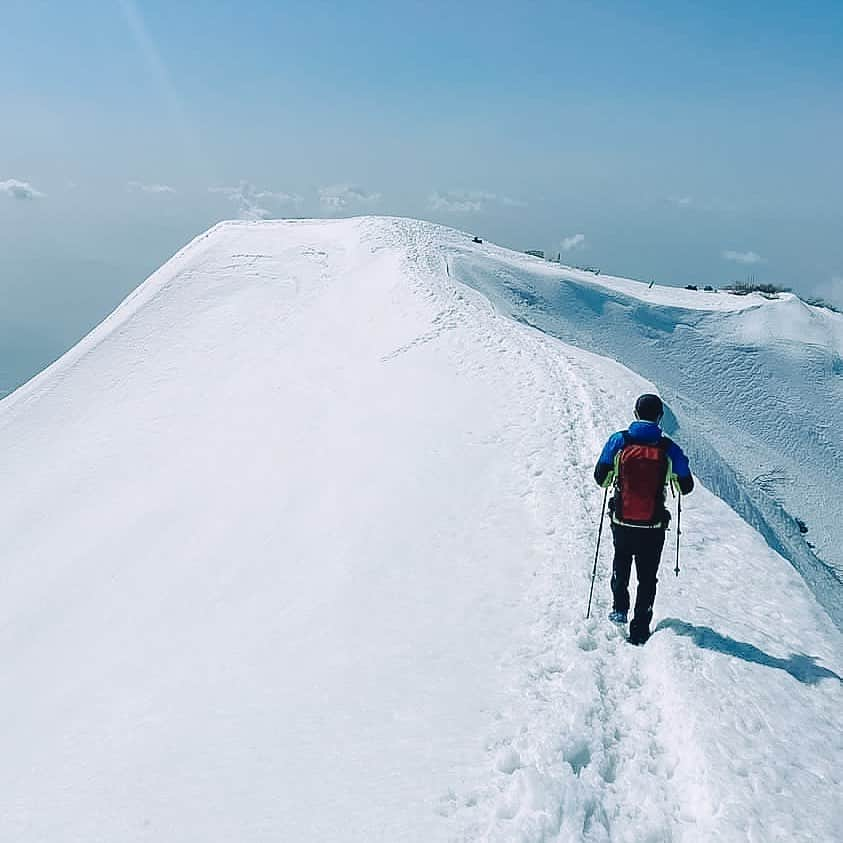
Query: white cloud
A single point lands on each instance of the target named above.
(460, 202)
(680, 201)
(19, 189)
(743, 257)
(342, 197)
(150, 188)
(572, 242)
(251, 201)
(469, 201)
(279, 196)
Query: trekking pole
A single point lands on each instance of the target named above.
(678, 530)
(597, 550)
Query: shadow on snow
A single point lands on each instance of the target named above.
(799, 665)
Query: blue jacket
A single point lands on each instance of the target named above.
(647, 433)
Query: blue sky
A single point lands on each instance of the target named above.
(685, 141)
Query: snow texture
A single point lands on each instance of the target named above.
(297, 546)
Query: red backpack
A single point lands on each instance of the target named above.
(640, 477)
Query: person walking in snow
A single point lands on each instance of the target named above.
(640, 462)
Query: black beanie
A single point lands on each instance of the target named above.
(649, 408)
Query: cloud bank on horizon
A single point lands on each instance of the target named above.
(254, 203)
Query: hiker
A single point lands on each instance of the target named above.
(640, 462)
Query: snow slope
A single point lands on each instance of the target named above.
(297, 546)
(755, 387)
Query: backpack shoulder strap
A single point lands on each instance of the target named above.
(627, 439)
(665, 444)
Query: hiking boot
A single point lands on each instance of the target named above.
(638, 636)
(617, 617)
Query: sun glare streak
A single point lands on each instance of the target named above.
(158, 69)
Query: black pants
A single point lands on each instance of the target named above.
(646, 546)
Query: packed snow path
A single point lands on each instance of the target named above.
(297, 546)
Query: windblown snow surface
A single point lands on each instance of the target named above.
(297, 546)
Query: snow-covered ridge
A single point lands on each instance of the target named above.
(297, 546)
(755, 387)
